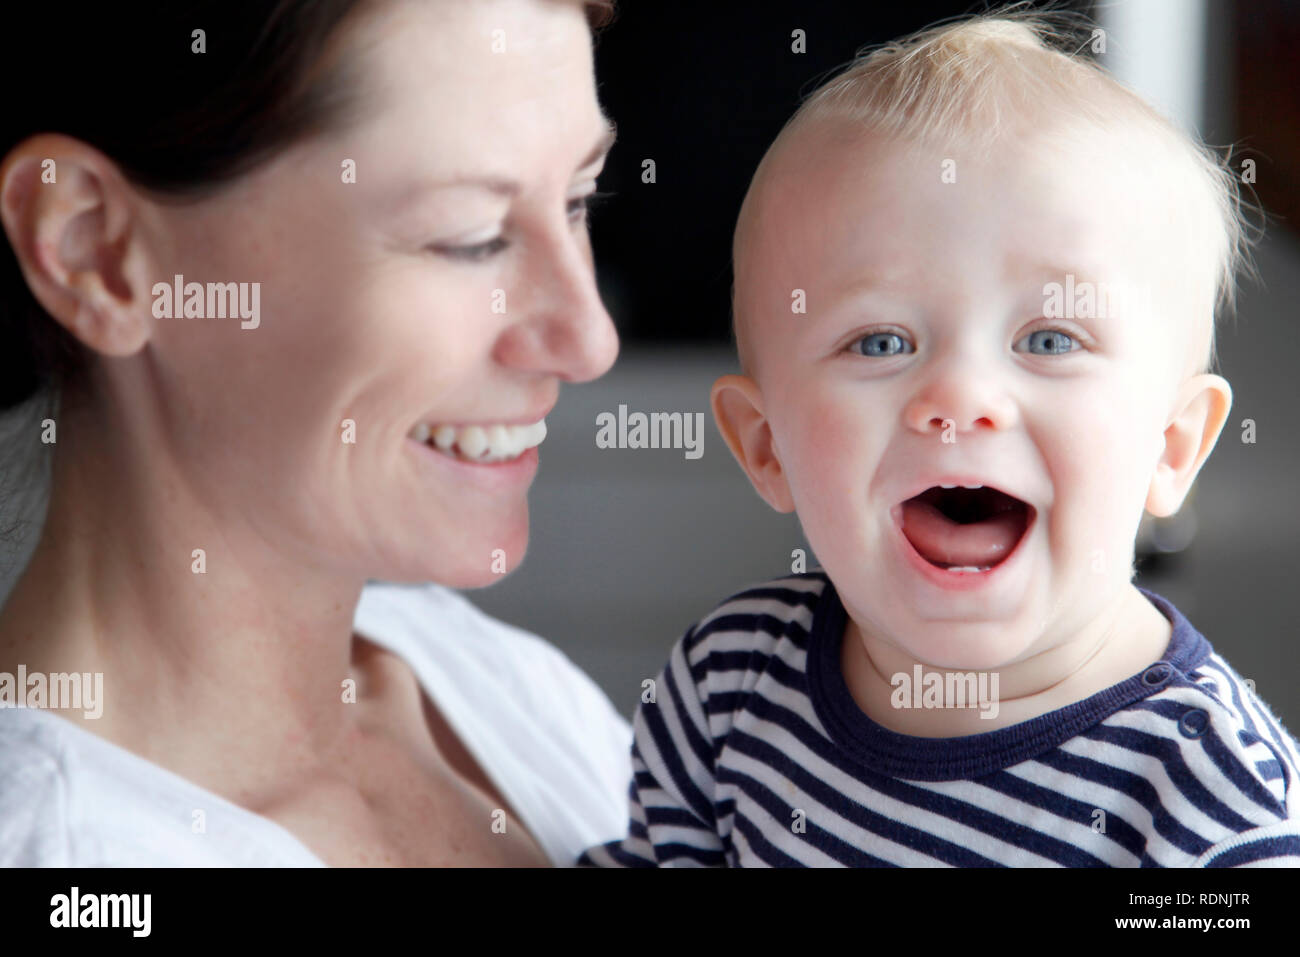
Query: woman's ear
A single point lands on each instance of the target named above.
(738, 410)
(69, 217)
(1199, 413)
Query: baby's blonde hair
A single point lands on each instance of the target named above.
(978, 77)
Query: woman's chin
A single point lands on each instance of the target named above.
(474, 563)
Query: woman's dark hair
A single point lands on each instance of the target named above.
(174, 121)
(124, 79)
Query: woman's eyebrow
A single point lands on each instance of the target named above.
(504, 186)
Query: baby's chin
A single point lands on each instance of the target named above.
(1049, 615)
(968, 646)
(954, 642)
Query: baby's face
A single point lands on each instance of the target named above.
(925, 358)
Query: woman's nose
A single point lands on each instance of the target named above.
(565, 329)
(962, 396)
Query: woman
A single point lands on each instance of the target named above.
(381, 206)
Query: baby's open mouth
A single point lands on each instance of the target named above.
(965, 529)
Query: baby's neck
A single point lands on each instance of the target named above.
(1138, 637)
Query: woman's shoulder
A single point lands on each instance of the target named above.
(69, 798)
(33, 792)
(538, 724)
(470, 644)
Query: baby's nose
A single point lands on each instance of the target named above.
(960, 403)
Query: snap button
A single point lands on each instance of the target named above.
(1194, 722)
(1156, 674)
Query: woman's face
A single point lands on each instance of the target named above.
(450, 284)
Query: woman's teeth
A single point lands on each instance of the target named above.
(478, 443)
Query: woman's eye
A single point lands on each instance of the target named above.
(577, 209)
(1048, 342)
(476, 252)
(882, 344)
(579, 206)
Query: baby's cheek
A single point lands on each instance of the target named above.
(821, 445)
(1100, 479)
(832, 445)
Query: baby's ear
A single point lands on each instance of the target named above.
(738, 410)
(1198, 416)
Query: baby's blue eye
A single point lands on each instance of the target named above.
(882, 344)
(1048, 342)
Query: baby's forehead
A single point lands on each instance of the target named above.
(834, 189)
(833, 203)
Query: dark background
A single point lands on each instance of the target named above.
(703, 89)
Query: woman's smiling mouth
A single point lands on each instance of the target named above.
(480, 444)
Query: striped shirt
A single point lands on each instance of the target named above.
(754, 753)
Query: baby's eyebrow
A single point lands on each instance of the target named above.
(1057, 273)
(1054, 265)
(871, 284)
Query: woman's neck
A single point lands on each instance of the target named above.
(213, 643)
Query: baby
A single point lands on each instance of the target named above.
(976, 282)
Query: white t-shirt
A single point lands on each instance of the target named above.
(542, 731)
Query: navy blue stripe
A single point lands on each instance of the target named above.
(850, 809)
(770, 711)
(1287, 845)
(1230, 767)
(616, 853)
(695, 739)
(1171, 756)
(1059, 804)
(751, 624)
(674, 853)
(722, 809)
(816, 835)
(1136, 787)
(794, 597)
(651, 718)
(1270, 770)
(761, 847)
(1163, 707)
(1228, 763)
(660, 816)
(1238, 703)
